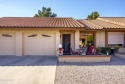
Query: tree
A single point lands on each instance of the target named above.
(45, 12)
(93, 15)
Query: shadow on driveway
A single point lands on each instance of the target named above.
(28, 60)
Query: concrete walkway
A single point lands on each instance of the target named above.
(27, 70)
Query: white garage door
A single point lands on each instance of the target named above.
(39, 44)
(116, 38)
(7, 42)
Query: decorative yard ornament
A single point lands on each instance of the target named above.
(60, 49)
(107, 52)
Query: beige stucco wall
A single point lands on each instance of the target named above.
(77, 36)
(73, 41)
(57, 41)
(100, 39)
(84, 59)
(19, 38)
(19, 44)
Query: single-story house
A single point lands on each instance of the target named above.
(21, 36)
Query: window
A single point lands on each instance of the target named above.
(85, 39)
(44, 35)
(33, 35)
(6, 35)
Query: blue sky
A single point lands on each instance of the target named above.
(78, 9)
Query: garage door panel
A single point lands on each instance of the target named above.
(48, 46)
(7, 42)
(42, 44)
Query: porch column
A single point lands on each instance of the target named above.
(77, 39)
(19, 43)
(57, 41)
(94, 34)
(106, 39)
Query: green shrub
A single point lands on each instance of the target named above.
(98, 50)
(105, 49)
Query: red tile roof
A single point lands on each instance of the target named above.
(39, 22)
(51, 22)
(115, 20)
(105, 23)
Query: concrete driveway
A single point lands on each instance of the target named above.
(27, 69)
(27, 60)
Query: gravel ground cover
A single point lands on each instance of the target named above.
(91, 73)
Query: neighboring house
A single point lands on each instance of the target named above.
(22, 36)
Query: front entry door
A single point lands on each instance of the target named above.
(66, 43)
